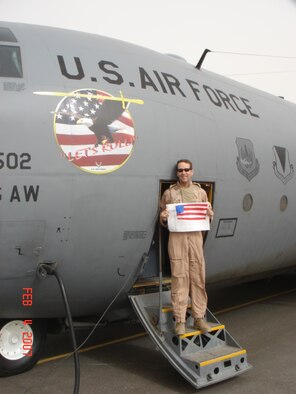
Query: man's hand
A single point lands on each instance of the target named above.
(210, 212)
(163, 217)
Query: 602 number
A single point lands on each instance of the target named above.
(12, 161)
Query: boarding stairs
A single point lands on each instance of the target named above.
(201, 358)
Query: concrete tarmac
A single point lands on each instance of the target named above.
(260, 315)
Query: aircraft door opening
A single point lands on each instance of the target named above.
(159, 250)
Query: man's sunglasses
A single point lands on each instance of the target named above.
(183, 169)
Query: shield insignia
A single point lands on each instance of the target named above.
(246, 162)
(282, 167)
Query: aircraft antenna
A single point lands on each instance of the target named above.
(200, 62)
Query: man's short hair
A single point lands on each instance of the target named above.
(184, 161)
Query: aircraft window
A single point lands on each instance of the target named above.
(247, 202)
(10, 62)
(6, 35)
(283, 203)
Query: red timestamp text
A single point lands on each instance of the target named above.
(27, 335)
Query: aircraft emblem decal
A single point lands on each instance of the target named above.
(94, 129)
(246, 162)
(282, 167)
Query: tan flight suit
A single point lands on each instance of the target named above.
(186, 257)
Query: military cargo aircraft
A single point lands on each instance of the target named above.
(91, 128)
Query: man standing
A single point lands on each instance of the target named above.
(186, 252)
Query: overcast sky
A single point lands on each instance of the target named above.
(186, 28)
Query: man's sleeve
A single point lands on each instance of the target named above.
(165, 199)
(204, 196)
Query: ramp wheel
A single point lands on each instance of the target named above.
(21, 344)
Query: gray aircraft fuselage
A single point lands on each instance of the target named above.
(80, 174)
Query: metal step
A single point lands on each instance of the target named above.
(201, 358)
(208, 357)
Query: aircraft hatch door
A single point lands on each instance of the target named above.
(201, 358)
